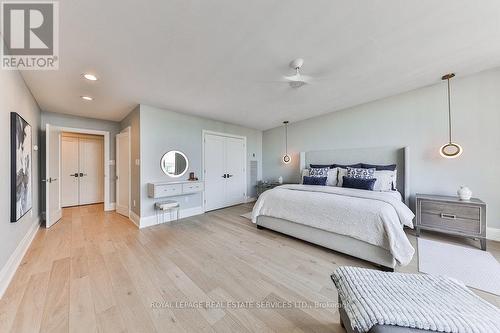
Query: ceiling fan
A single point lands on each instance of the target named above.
(297, 80)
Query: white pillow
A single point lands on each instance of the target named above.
(386, 179)
(305, 172)
(331, 179)
(342, 172)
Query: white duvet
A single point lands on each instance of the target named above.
(373, 217)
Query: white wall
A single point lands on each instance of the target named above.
(65, 120)
(417, 119)
(134, 121)
(16, 97)
(162, 131)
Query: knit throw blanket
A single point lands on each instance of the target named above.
(434, 303)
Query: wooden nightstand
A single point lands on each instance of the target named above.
(451, 215)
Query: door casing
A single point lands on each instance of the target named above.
(129, 166)
(205, 132)
(108, 206)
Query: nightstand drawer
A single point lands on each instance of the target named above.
(451, 222)
(450, 210)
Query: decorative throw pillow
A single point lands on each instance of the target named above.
(318, 172)
(314, 181)
(345, 166)
(358, 183)
(390, 167)
(320, 166)
(340, 176)
(332, 177)
(305, 172)
(360, 173)
(386, 180)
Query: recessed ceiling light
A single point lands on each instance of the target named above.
(87, 98)
(90, 77)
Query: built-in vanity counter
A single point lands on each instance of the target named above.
(171, 189)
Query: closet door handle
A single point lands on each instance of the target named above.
(229, 176)
(82, 174)
(224, 176)
(74, 174)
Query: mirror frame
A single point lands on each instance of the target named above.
(183, 155)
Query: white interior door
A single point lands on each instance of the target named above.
(53, 211)
(235, 170)
(123, 173)
(91, 174)
(215, 169)
(69, 171)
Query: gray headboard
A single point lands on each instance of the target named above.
(378, 155)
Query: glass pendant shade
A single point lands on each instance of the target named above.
(451, 150)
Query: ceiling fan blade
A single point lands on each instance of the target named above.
(305, 78)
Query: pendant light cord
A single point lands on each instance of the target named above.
(449, 110)
(286, 139)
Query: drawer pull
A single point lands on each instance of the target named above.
(448, 216)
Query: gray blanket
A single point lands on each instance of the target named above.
(426, 302)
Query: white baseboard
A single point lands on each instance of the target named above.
(493, 234)
(8, 271)
(109, 206)
(250, 199)
(136, 219)
(153, 220)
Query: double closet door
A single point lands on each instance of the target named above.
(82, 170)
(225, 175)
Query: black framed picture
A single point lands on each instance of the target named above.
(21, 199)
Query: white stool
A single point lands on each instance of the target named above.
(166, 206)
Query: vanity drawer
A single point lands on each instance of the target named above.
(167, 190)
(192, 187)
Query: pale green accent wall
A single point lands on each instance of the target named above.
(163, 130)
(16, 97)
(417, 119)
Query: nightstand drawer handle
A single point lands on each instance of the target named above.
(448, 216)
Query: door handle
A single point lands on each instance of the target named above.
(74, 175)
(229, 176)
(224, 176)
(82, 174)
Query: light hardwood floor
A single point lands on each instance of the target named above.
(95, 271)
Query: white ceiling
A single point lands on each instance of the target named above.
(218, 59)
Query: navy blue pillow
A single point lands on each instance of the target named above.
(314, 181)
(319, 166)
(390, 167)
(357, 165)
(359, 183)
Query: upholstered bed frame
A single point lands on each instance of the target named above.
(334, 241)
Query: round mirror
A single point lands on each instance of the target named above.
(174, 163)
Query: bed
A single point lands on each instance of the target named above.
(364, 224)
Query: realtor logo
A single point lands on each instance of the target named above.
(31, 35)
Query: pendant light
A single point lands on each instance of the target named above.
(286, 158)
(451, 149)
